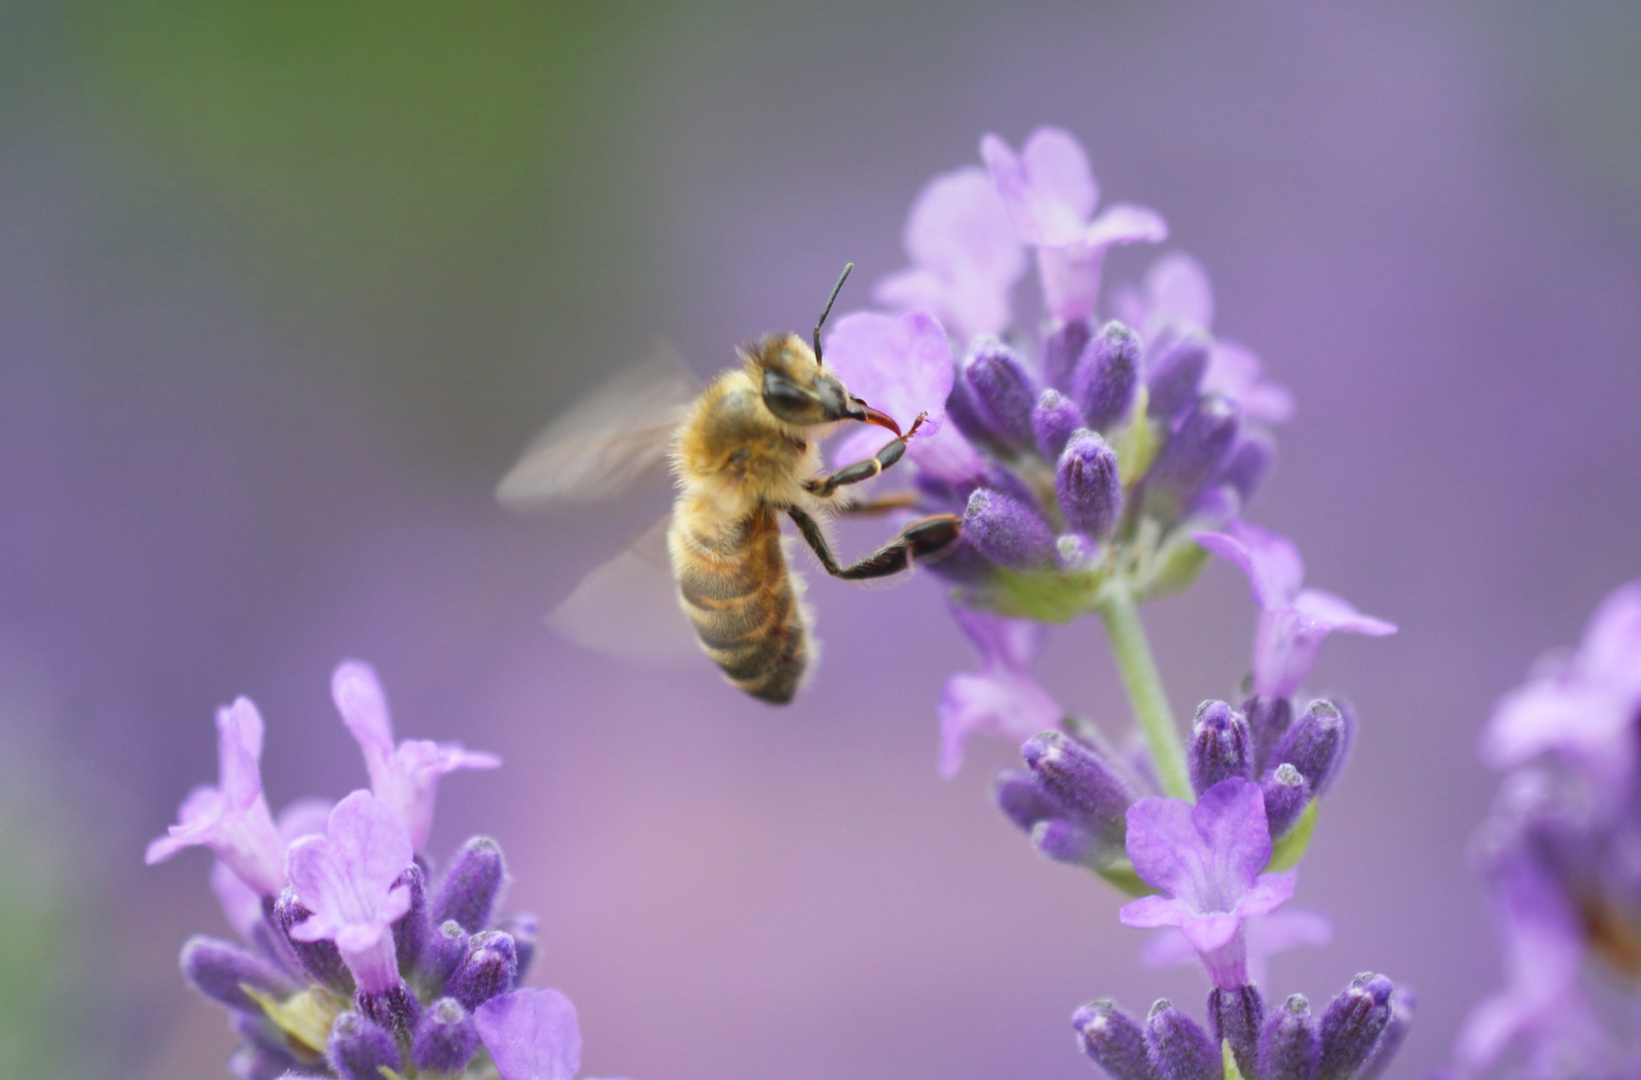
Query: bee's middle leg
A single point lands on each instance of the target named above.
(922, 538)
(862, 471)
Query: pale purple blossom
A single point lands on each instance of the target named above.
(404, 776)
(232, 818)
(1207, 861)
(1003, 697)
(1292, 621)
(901, 365)
(352, 880)
(531, 1034)
(1175, 298)
(1584, 707)
(965, 256)
(1267, 935)
(1051, 195)
(240, 903)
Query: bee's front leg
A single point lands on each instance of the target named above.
(861, 471)
(919, 540)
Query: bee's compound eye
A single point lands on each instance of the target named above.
(789, 401)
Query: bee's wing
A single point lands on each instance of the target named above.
(628, 608)
(606, 442)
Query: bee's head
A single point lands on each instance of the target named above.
(798, 389)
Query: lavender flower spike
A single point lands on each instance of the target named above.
(352, 880)
(232, 818)
(1206, 861)
(404, 776)
(1050, 194)
(1002, 697)
(1292, 621)
(965, 257)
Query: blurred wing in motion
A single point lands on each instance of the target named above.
(628, 608)
(606, 442)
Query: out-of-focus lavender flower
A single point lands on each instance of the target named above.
(232, 818)
(965, 256)
(344, 973)
(1176, 300)
(1292, 621)
(1050, 194)
(531, 1035)
(1267, 935)
(404, 776)
(1559, 853)
(1206, 860)
(1002, 697)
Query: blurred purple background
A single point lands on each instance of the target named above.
(285, 288)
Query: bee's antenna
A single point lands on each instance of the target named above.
(830, 301)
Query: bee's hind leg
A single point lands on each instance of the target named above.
(919, 540)
(861, 471)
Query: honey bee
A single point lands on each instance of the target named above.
(743, 453)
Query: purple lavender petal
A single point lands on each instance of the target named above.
(1288, 638)
(232, 818)
(998, 703)
(531, 1035)
(965, 257)
(1248, 464)
(320, 959)
(352, 881)
(1234, 370)
(1048, 189)
(1266, 936)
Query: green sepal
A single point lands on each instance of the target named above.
(1290, 846)
(1044, 596)
(1120, 874)
(1173, 569)
(1231, 1071)
(305, 1018)
(388, 1074)
(1136, 442)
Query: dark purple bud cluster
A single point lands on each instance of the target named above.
(1355, 1038)
(1092, 463)
(296, 1004)
(1071, 799)
(1294, 761)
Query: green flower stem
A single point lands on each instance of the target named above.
(1145, 692)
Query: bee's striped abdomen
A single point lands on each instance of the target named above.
(737, 591)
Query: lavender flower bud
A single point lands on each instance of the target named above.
(1236, 1016)
(962, 411)
(1315, 745)
(1220, 746)
(1053, 421)
(1286, 794)
(1004, 393)
(1289, 1046)
(1106, 375)
(1114, 1040)
(1061, 351)
(1176, 375)
(1007, 532)
(320, 959)
(221, 970)
(446, 1039)
(1352, 1025)
(358, 1048)
(521, 928)
(1190, 457)
(470, 887)
(490, 967)
(1390, 1041)
(446, 949)
(411, 930)
(1248, 464)
(1180, 1049)
(1063, 841)
(1089, 489)
(1093, 794)
(1268, 720)
(1022, 799)
(394, 1009)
